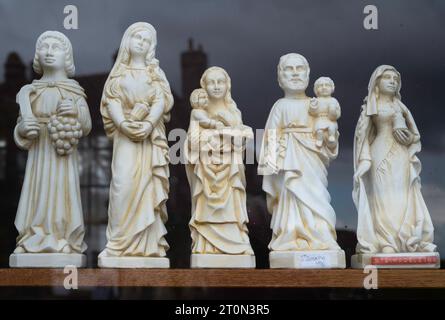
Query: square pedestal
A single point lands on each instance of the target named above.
(47, 260)
(222, 261)
(321, 259)
(418, 260)
(134, 262)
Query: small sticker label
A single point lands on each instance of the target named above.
(308, 260)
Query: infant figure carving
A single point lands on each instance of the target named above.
(326, 111)
(53, 117)
(199, 102)
(394, 226)
(293, 162)
(215, 171)
(136, 103)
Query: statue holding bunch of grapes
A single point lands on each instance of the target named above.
(53, 117)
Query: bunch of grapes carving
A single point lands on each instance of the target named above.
(65, 133)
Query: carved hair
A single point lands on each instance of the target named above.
(370, 100)
(67, 47)
(123, 56)
(320, 80)
(283, 60)
(229, 102)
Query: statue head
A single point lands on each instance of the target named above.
(324, 87)
(199, 99)
(293, 73)
(53, 52)
(385, 80)
(216, 82)
(139, 40)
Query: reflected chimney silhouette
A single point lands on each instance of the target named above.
(193, 65)
(15, 74)
(33, 74)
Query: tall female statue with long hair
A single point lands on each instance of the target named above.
(394, 225)
(135, 106)
(215, 172)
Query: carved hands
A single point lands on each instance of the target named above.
(67, 108)
(29, 128)
(403, 136)
(313, 107)
(136, 130)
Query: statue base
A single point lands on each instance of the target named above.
(47, 260)
(319, 259)
(134, 262)
(222, 261)
(417, 260)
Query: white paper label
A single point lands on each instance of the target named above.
(315, 261)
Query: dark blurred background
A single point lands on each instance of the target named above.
(246, 38)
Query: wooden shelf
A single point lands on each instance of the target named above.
(265, 278)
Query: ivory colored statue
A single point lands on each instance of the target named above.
(394, 225)
(295, 177)
(326, 111)
(215, 172)
(53, 117)
(135, 106)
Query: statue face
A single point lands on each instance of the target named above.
(51, 54)
(294, 76)
(388, 83)
(216, 84)
(140, 43)
(324, 89)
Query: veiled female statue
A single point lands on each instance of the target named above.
(215, 172)
(135, 106)
(392, 215)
